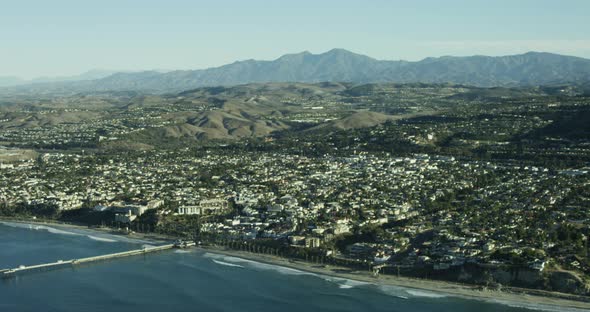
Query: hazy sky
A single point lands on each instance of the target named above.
(64, 37)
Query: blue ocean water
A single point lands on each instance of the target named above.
(187, 280)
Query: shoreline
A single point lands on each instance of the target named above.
(153, 237)
(516, 296)
(442, 288)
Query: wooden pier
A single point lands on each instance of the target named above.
(6, 273)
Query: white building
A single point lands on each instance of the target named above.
(205, 207)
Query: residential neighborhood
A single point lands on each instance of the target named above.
(480, 191)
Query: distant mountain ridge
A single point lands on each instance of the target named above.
(532, 68)
(93, 74)
(8, 81)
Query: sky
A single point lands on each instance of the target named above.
(68, 37)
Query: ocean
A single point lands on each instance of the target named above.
(188, 280)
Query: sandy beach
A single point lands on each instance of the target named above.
(548, 299)
(511, 296)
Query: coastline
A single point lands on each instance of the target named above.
(152, 237)
(517, 297)
(437, 288)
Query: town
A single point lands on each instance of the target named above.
(483, 191)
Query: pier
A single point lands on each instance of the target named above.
(6, 273)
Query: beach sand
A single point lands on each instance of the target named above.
(442, 288)
(510, 296)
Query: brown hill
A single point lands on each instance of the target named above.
(32, 120)
(218, 124)
(357, 120)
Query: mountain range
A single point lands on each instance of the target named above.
(11, 81)
(529, 69)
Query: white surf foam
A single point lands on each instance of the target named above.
(258, 265)
(102, 239)
(423, 293)
(280, 269)
(38, 227)
(227, 264)
(394, 291)
(94, 235)
(345, 283)
(16, 225)
(57, 231)
(212, 255)
(180, 251)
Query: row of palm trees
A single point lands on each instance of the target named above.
(312, 255)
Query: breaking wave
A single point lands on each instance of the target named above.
(258, 265)
(394, 291)
(424, 293)
(342, 283)
(390, 290)
(345, 283)
(227, 264)
(93, 235)
(39, 228)
(102, 239)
